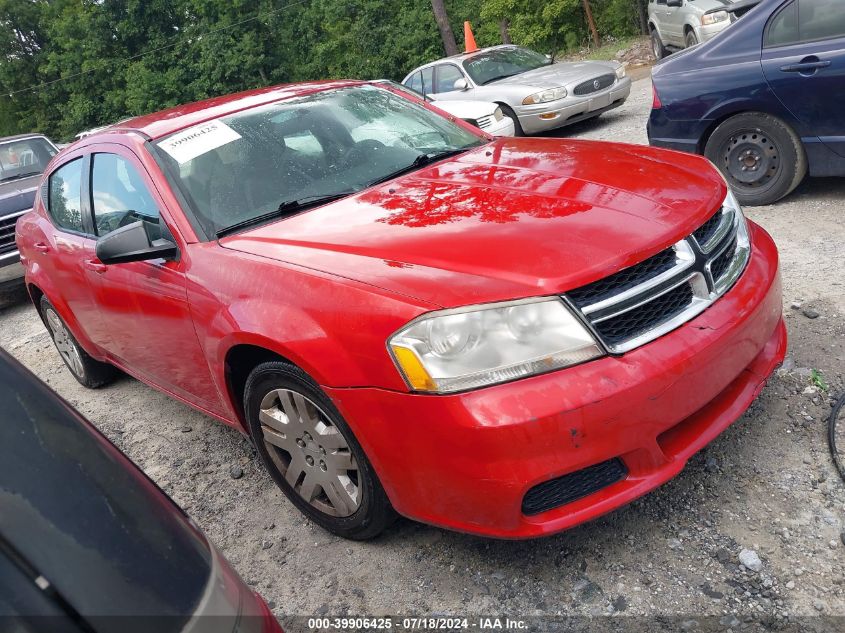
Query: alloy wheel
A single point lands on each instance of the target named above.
(310, 452)
(64, 343)
(751, 158)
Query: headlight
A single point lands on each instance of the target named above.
(741, 223)
(713, 18)
(552, 94)
(498, 114)
(472, 347)
(620, 72)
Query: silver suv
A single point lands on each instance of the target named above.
(676, 24)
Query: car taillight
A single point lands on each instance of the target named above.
(655, 104)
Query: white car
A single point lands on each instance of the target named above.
(482, 114)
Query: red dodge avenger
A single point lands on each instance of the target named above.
(506, 337)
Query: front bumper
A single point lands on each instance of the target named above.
(504, 127)
(549, 116)
(466, 461)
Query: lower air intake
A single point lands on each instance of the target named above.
(557, 492)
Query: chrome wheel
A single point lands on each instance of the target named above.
(310, 452)
(64, 343)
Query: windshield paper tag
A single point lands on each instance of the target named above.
(198, 140)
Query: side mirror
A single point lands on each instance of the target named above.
(461, 84)
(134, 243)
(674, 3)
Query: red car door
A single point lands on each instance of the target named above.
(66, 247)
(144, 305)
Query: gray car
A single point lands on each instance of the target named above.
(535, 93)
(22, 160)
(676, 24)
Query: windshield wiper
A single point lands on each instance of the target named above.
(497, 78)
(285, 208)
(420, 161)
(19, 176)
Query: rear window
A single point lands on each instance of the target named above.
(24, 157)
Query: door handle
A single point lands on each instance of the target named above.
(95, 266)
(41, 247)
(808, 67)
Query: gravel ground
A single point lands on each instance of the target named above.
(765, 485)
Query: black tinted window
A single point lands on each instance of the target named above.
(65, 196)
(806, 21)
(119, 194)
(820, 19)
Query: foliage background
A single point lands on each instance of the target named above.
(68, 65)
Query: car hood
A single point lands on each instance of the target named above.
(555, 75)
(511, 219)
(17, 195)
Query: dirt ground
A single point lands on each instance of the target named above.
(766, 484)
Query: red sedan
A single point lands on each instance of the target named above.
(506, 337)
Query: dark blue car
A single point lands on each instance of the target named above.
(764, 100)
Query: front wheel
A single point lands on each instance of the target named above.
(759, 155)
(88, 372)
(311, 453)
(691, 39)
(517, 128)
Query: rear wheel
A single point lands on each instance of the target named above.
(312, 454)
(657, 45)
(87, 371)
(517, 128)
(759, 155)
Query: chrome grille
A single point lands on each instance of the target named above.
(7, 232)
(642, 302)
(485, 121)
(594, 85)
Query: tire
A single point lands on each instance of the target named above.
(760, 156)
(88, 372)
(517, 128)
(311, 453)
(690, 39)
(657, 48)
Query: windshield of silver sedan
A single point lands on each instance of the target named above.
(501, 63)
(275, 160)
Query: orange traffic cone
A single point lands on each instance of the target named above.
(469, 39)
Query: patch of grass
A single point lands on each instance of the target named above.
(818, 380)
(605, 52)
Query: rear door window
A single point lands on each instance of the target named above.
(427, 80)
(65, 197)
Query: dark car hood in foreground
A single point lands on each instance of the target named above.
(515, 218)
(17, 195)
(85, 518)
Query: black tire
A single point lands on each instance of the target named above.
(373, 513)
(657, 48)
(760, 156)
(517, 128)
(690, 39)
(88, 372)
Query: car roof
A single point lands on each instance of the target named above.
(459, 57)
(166, 122)
(20, 137)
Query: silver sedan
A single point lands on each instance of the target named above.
(535, 93)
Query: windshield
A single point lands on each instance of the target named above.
(499, 63)
(24, 157)
(272, 158)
